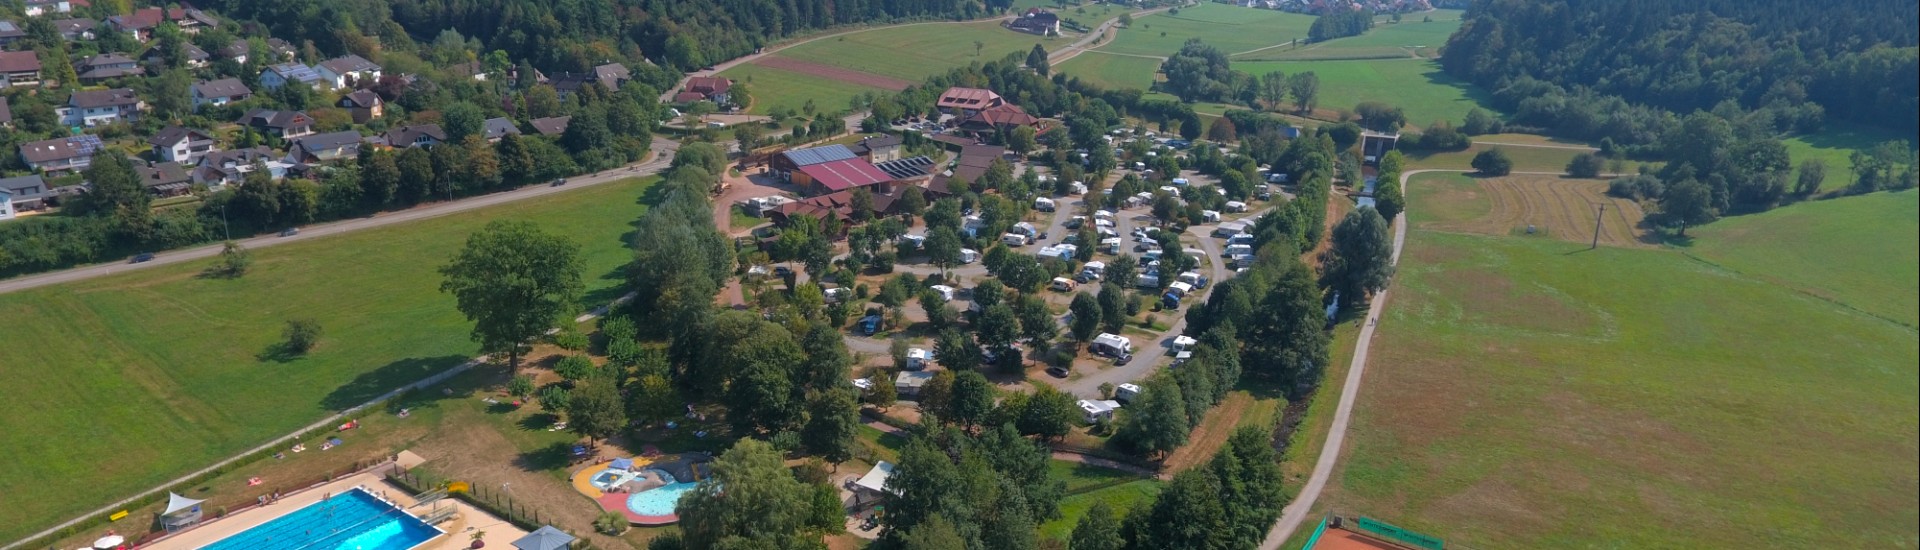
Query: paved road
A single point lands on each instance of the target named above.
(1107, 29)
(1295, 512)
(663, 153)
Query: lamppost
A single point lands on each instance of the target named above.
(224, 227)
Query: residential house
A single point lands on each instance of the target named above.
(6, 113)
(181, 144)
(142, 22)
(282, 48)
(97, 107)
(237, 51)
(76, 29)
(471, 69)
(6, 204)
(497, 128)
(342, 72)
(710, 88)
(60, 154)
(28, 192)
(1036, 21)
(95, 69)
(319, 148)
(196, 57)
(226, 167)
(220, 92)
(550, 126)
(965, 102)
(36, 8)
(280, 74)
(19, 69)
(10, 32)
(284, 124)
(609, 76)
(416, 135)
(364, 105)
(163, 179)
(878, 149)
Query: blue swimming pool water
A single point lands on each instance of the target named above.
(353, 520)
(658, 501)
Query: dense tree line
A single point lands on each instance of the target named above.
(956, 489)
(1229, 503)
(1594, 69)
(1199, 72)
(1339, 24)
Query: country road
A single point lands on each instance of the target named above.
(662, 149)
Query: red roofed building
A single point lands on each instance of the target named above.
(841, 175)
(1003, 116)
(965, 102)
(838, 205)
(711, 88)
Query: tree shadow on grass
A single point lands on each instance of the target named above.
(279, 352)
(551, 457)
(387, 378)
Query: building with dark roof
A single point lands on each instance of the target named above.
(96, 107)
(225, 167)
(320, 148)
(1035, 21)
(29, 192)
(341, 72)
(907, 168)
(877, 149)
(181, 144)
(415, 135)
(61, 154)
(496, 128)
(285, 124)
(710, 88)
(19, 69)
(10, 32)
(786, 162)
(1005, 116)
(550, 126)
(364, 105)
(220, 92)
(6, 113)
(163, 179)
(275, 76)
(196, 57)
(840, 175)
(76, 29)
(95, 69)
(609, 76)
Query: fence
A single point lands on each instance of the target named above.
(499, 503)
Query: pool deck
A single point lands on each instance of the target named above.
(617, 502)
(499, 533)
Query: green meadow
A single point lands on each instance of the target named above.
(775, 88)
(1861, 251)
(122, 382)
(1233, 29)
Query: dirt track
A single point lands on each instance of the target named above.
(832, 72)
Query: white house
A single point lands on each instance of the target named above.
(279, 75)
(219, 92)
(36, 8)
(97, 107)
(182, 145)
(341, 72)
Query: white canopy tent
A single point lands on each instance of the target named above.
(181, 512)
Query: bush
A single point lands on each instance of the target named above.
(1585, 165)
(555, 398)
(301, 335)
(520, 386)
(574, 367)
(570, 340)
(1493, 162)
(786, 442)
(611, 523)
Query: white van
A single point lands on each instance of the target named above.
(1043, 204)
(1063, 284)
(1239, 249)
(968, 255)
(1014, 239)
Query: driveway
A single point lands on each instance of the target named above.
(663, 153)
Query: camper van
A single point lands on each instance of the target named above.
(1181, 289)
(1239, 249)
(945, 292)
(1014, 239)
(968, 255)
(1110, 245)
(1126, 392)
(1043, 204)
(1062, 284)
(1210, 216)
(1147, 281)
(1236, 206)
(1077, 188)
(1240, 238)
(1111, 345)
(1092, 271)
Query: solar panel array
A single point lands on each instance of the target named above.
(817, 155)
(907, 167)
(85, 145)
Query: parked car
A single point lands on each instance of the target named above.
(289, 232)
(141, 257)
(1057, 371)
(559, 182)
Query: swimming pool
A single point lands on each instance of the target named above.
(659, 501)
(354, 520)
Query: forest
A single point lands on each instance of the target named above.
(1625, 70)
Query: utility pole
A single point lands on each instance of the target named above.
(224, 227)
(1596, 226)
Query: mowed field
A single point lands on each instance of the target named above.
(776, 88)
(1233, 29)
(915, 52)
(1408, 38)
(118, 383)
(1111, 71)
(1415, 85)
(1833, 145)
(1557, 207)
(1528, 393)
(1862, 251)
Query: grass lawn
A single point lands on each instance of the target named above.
(1833, 145)
(1081, 477)
(157, 368)
(1121, 498)
(1111, 71)
(1233, 29)
(1415, 85)
(773, 88)
(1862, 251)
(915, 52)
(1528, 394)
(1407, 38)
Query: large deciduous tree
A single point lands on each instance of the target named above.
(514, 282)
(1361, 259)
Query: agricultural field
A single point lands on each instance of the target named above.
(147, 375)
(1409, 38)
(1111, 71)
(1233, 29)
(915, 52)
(1528, 393)
(776, 88)
(1416, 85)
(1861, 251)
(1554, 206)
